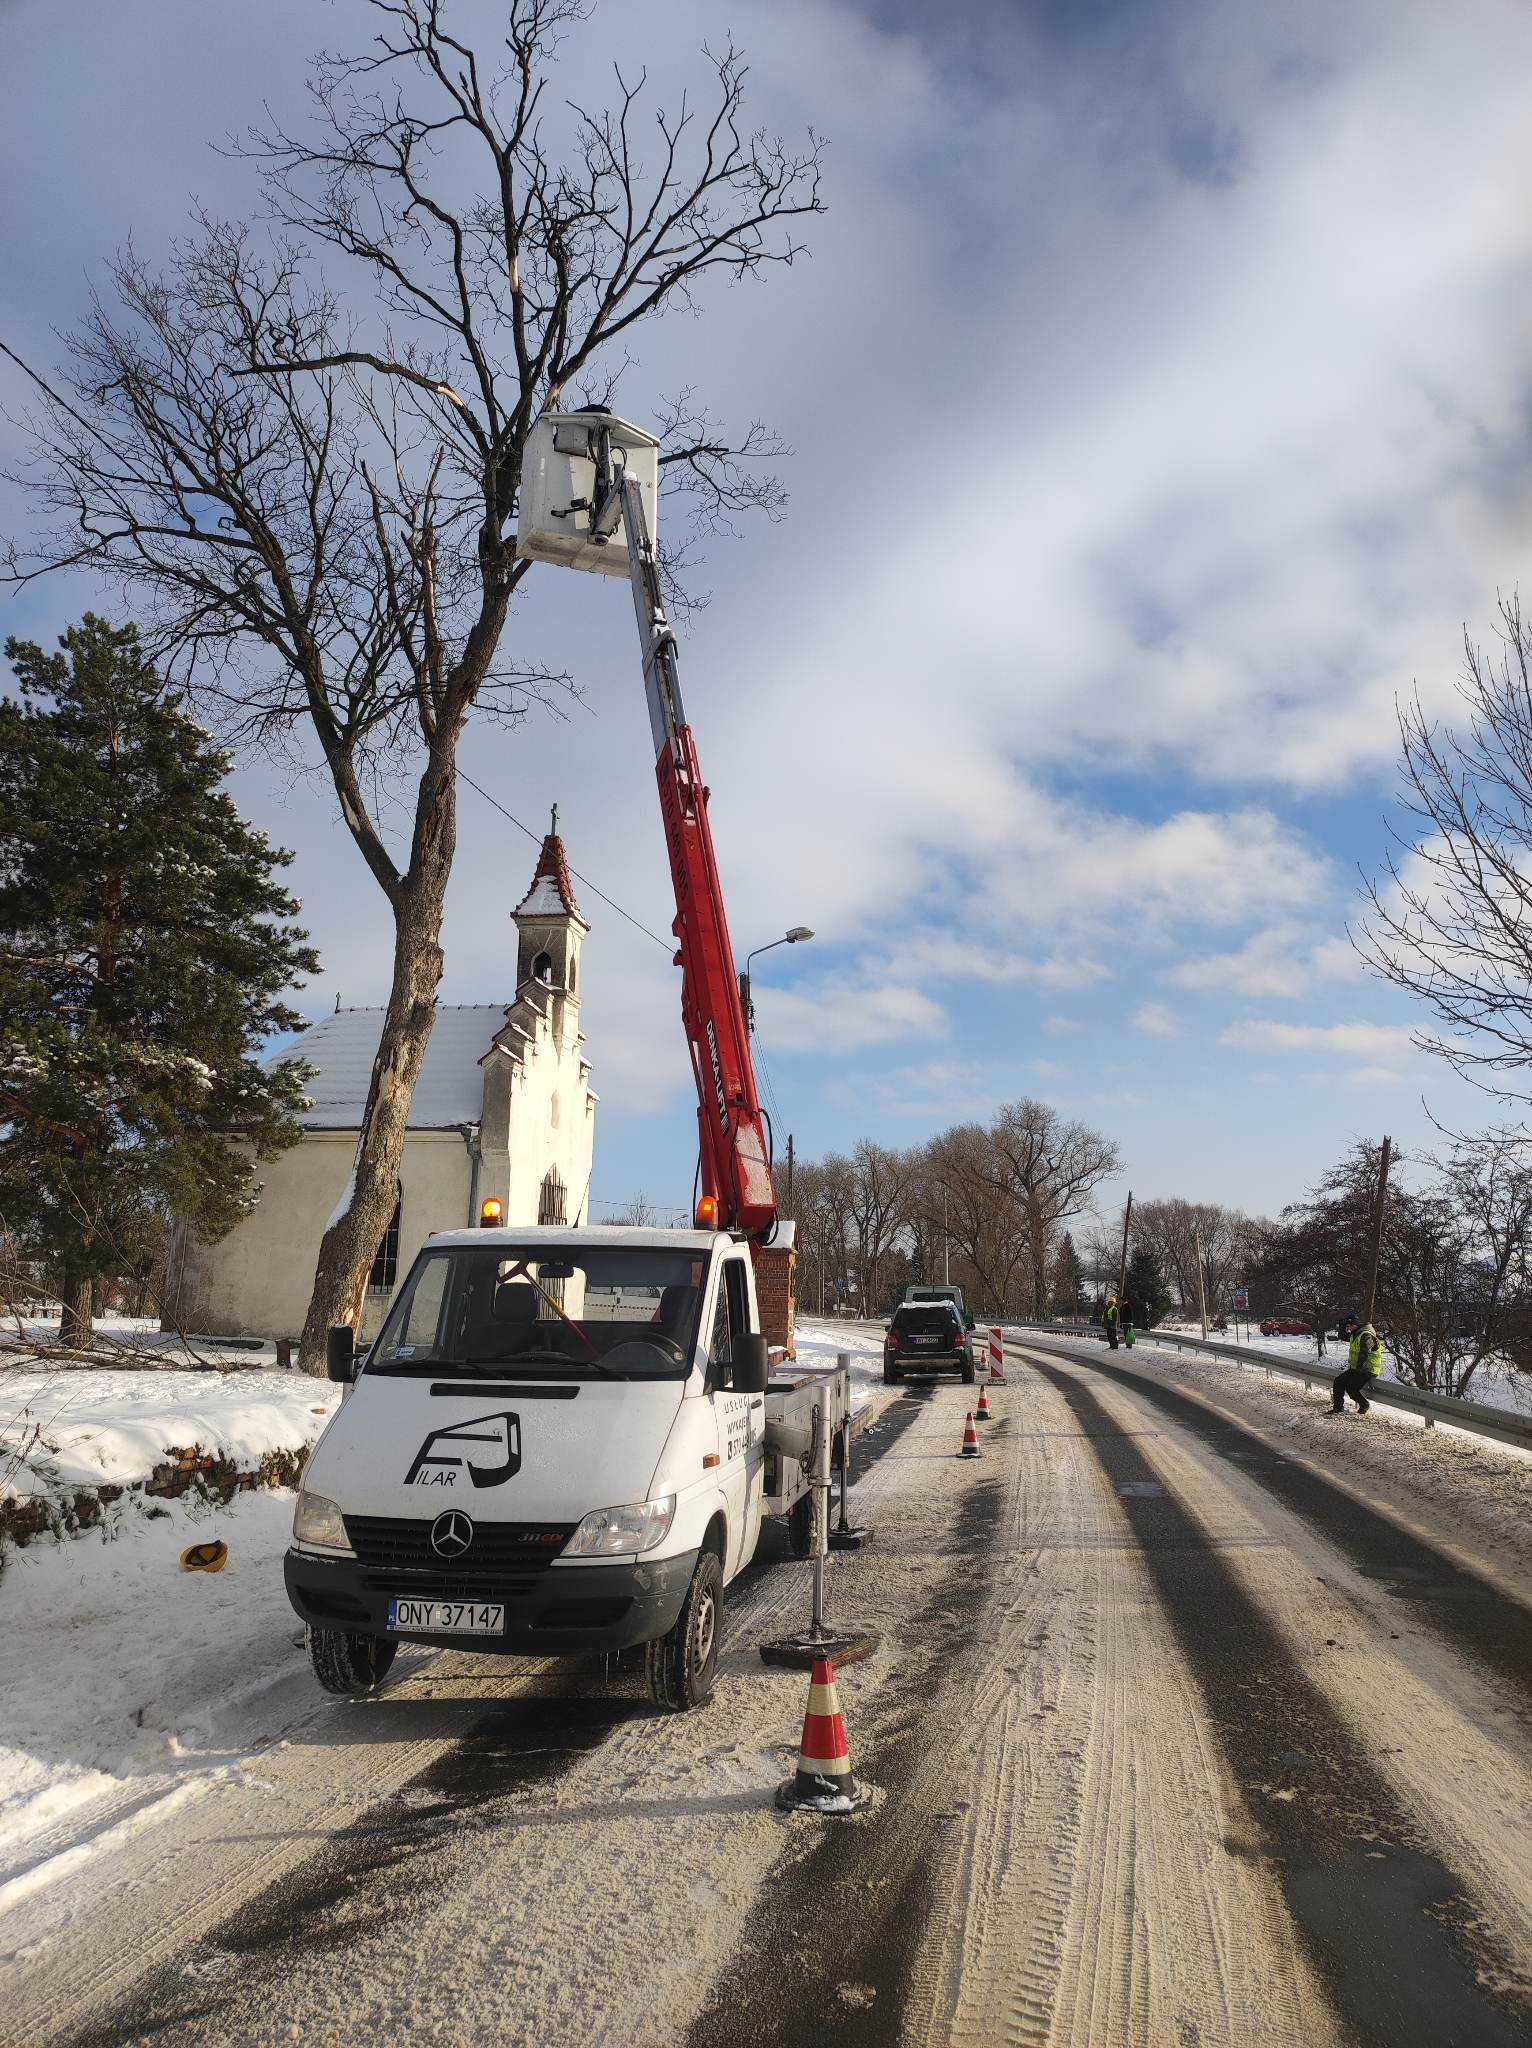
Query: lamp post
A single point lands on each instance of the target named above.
(793, 937)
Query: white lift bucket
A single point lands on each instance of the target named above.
(558, 487)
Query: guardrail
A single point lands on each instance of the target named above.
(1473, 1416)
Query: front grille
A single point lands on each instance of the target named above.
(427, 1586)
(386, 1543)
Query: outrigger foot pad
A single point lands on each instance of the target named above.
(847, 1643)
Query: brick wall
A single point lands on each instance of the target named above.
(776, 1294)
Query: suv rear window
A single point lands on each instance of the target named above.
(922, 1318)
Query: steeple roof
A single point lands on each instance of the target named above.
(552, 892)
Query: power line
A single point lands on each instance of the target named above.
(537, 840)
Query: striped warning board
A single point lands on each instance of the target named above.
(996, 1356)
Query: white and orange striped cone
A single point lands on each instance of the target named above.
(970, 1439)
(981, 1413)
(824, 1782)
(996, 1357)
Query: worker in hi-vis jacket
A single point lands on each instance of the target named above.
(1109, 1317)
(1366, 1362)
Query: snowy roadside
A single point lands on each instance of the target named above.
(1496, 1385)
(129, 1686)
(82, 1448)
(1475, 1492)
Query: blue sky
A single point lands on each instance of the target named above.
(1160, 393)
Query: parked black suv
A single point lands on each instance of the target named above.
(926, 1336)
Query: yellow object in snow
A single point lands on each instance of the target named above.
(205, 1557)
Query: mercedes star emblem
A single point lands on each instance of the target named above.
(451, 1533)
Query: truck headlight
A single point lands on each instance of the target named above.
(606, 1532)
(317, 1522)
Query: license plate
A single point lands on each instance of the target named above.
(927, 1340)
(447, 1617)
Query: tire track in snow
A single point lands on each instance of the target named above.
(1399, 1946)
(1099, 1901)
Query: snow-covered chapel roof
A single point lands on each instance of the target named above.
(450, 1090)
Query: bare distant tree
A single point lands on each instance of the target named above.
(957, 1200)
(313, 496)
(1451, 919)
(1170, 1227)
(882, 1191)
(1050, 1166)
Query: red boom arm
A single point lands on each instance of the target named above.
(736, 1169)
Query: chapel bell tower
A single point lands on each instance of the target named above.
(550, 932)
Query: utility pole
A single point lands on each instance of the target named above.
(946, 1242)
(1122, 1264)
(789, 1169)
(1377, 1227)
(1202, 1285)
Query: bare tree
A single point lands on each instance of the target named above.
(1171, 1227)
(1451, 919)
(1050, 1166)
(957, 1198)
(881, 1197)
(312, 497)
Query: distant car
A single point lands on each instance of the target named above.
(952, 1294)
(1286, 1326)
(926, 1336)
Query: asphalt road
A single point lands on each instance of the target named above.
(1174, 1739)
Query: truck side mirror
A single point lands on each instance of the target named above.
(340, 1353)
(752, 1365)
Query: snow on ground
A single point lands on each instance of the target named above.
(1480, 1489)
(138, 1341)
(819, 1345)
(79, 1426)
(127, 1686)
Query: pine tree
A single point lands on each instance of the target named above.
(1067, 1278)
(144, 952)
(1148, 1295)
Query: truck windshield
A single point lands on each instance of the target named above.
(624, 1312)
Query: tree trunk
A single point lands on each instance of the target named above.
(350, 1244)
(76, 1322)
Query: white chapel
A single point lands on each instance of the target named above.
(503, 1107)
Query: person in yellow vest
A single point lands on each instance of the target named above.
(1110, 1318)
(1365, 1363)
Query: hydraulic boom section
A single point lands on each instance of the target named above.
(736, 1166)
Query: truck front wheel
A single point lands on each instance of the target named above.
(684, 1663)
(800, 1526)
(347, 1664)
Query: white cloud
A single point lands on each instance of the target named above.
(1157, 1021)
(1283, 960)
(841, 1016)
(1372, 1042)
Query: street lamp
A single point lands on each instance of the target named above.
(794, 936)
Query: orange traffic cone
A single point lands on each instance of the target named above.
(970, 1440)
(981, 1413)
(824, 1782)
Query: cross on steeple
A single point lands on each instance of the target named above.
(553, 829)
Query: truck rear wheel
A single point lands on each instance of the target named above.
(800, 1526)
(347, 1664)
(684, 1663)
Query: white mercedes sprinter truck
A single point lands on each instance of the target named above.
(562, 1441)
